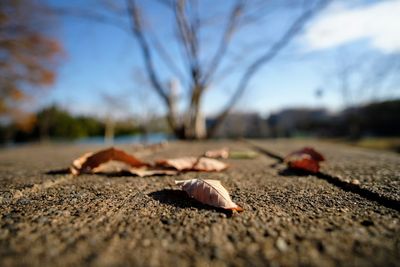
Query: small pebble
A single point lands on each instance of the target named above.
(281, 244)
(355, 182)
(23, 201)
(146, 242)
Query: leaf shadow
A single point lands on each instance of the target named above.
(58, 171)
(295, 172)
(113, 174)
(110, 174)
(180, 199)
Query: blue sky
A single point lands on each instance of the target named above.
(102, 59)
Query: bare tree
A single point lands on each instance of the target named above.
(361, 77)
(114, 105)
(189, 23)
(202, 60)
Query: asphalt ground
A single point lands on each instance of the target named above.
(289, 219)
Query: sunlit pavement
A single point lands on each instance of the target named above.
(289, 219)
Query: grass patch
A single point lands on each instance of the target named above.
(379, 143)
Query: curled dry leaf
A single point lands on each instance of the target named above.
(142, 172)
(115, 161)
(210, 192)
(306, 159)
(120, 168)
(219, 153)
(76, 165)
(93, 162)
(193, 164)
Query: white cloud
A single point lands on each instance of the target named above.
(377, 23)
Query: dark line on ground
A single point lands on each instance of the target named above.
(265, 152)
(363, 192)
(345, 186)
(59, 171)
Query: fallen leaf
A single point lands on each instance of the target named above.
(305, 164)
(111, 166)
(193, 164)
(222, 153)
(76, 165)
(114, 161)
(210, 192)
(306, 159)
(92, 162)
(142, 172)
(313, 153)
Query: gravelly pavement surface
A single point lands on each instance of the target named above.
(376, 171)
(289, 220)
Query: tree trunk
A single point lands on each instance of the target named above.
(195, 127)
(109, 131)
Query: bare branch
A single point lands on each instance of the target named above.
(265, 58)
(182, 28)
(89, 14)
(136, 25)
(189, 40)
(165, 56)
(224, 43)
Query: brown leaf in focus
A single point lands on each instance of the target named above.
(193, 164)
(210, 192)
(219, 153)
(306, 159)
(91, 162)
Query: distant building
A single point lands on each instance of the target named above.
(373, 119)
(242, 125)
(297, 121)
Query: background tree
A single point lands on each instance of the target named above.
(361, 77)
(27, 55)
(200, 71)
(211, 44)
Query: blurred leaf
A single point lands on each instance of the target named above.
(91, 162)
(193, 164)
(218, 153)
(306, 159)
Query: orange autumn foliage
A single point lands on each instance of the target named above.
(28, 56)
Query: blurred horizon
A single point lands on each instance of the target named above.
(199, 69)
